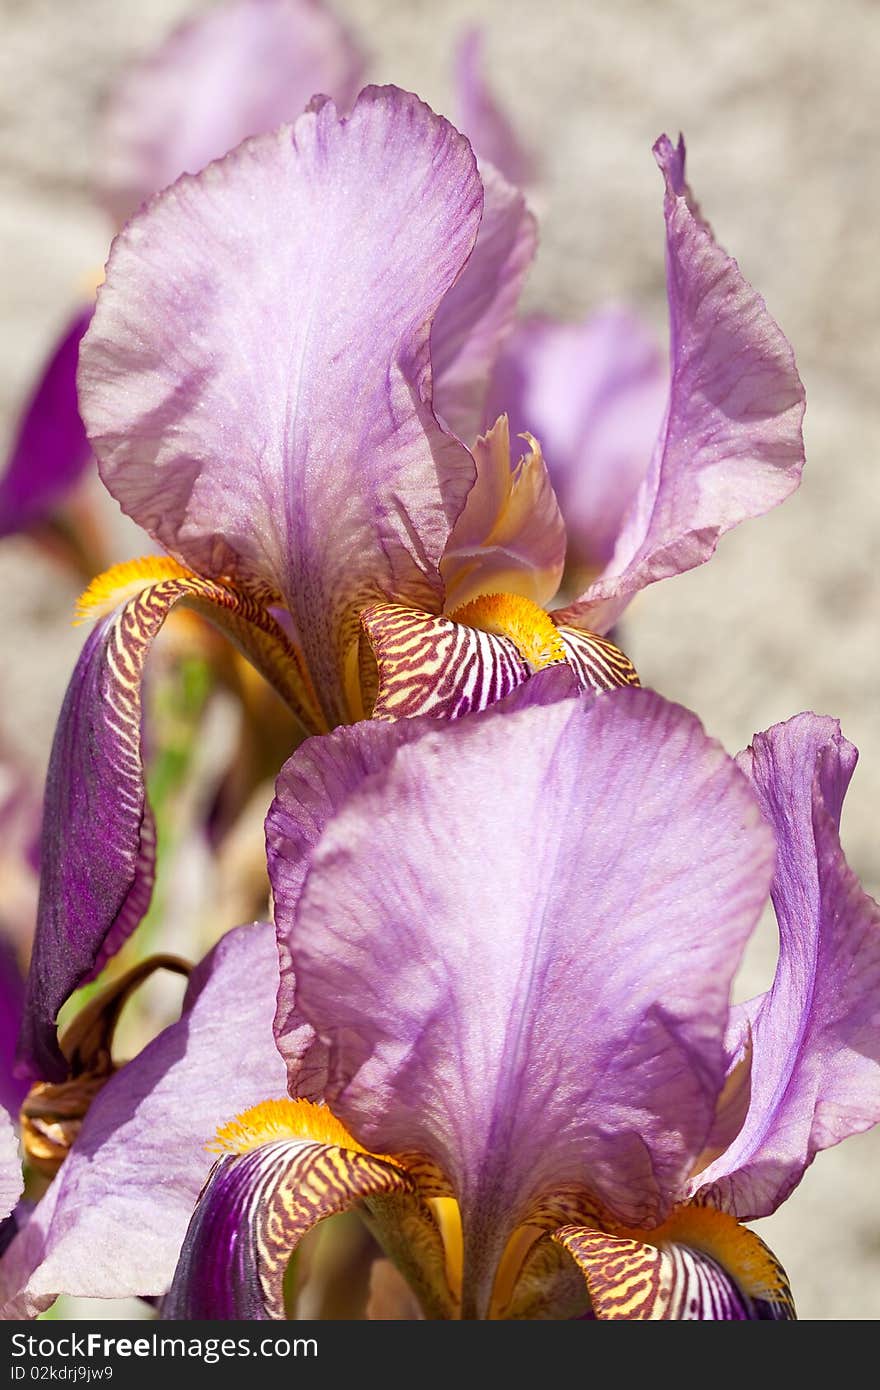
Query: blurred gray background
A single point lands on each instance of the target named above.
(779, 106)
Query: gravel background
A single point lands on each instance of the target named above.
(778, 103)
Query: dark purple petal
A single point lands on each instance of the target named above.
(50, 451)
(12, 1091)
(478, 313)
(815, 1074)
(98, 848)
(701, 1266)
(257, 379)
(237, 70)
(482, 119)
(255, 1209)
(112, 1222)
(594, 393)
(517, 943)
(731, 445)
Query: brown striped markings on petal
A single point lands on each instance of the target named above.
(287, 1165)
(434, 665)
(597, 663)
(699, 1265)
(455, 665)
(150, 587)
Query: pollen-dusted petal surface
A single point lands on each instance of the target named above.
(815, 1070)
(112, 1222)
(731, 445)
(50, 451)
(594, 394)
(700, 1266)
(238, 69)
(99, 843)
(257, 379)
(517, 944)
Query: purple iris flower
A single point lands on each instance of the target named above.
(234, 71)
(284, 383)
(506, 947)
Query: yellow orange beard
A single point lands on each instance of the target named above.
(533, 631)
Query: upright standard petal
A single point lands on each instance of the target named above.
(98, 848)
(237, 70)
(731, 445)
(815, 1073)
(483, 121)
(479, 312)
(50, 451)
(257, 379)
(594, 394)
(112, 1223)
(534, 1025)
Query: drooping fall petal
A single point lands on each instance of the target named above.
(532, 1024)
(700, 1266)
(447, 667)
(238, 69)
(815, 1063)
(731, 445)
(257, 379)
(98, 848)
(259, 1202)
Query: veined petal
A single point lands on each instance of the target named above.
(237, 70)
(311, 789)
(448, 667)
(11, 1184)
(532, 1024)
(98, 848)
(50, 451)
(478, 313)
(815, 1073)
(112, 1222)
(594, 393)
(700, 1266)
(731, 445)
(482, 119)
(257, 378)
(510, 537)
(258, 1204)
